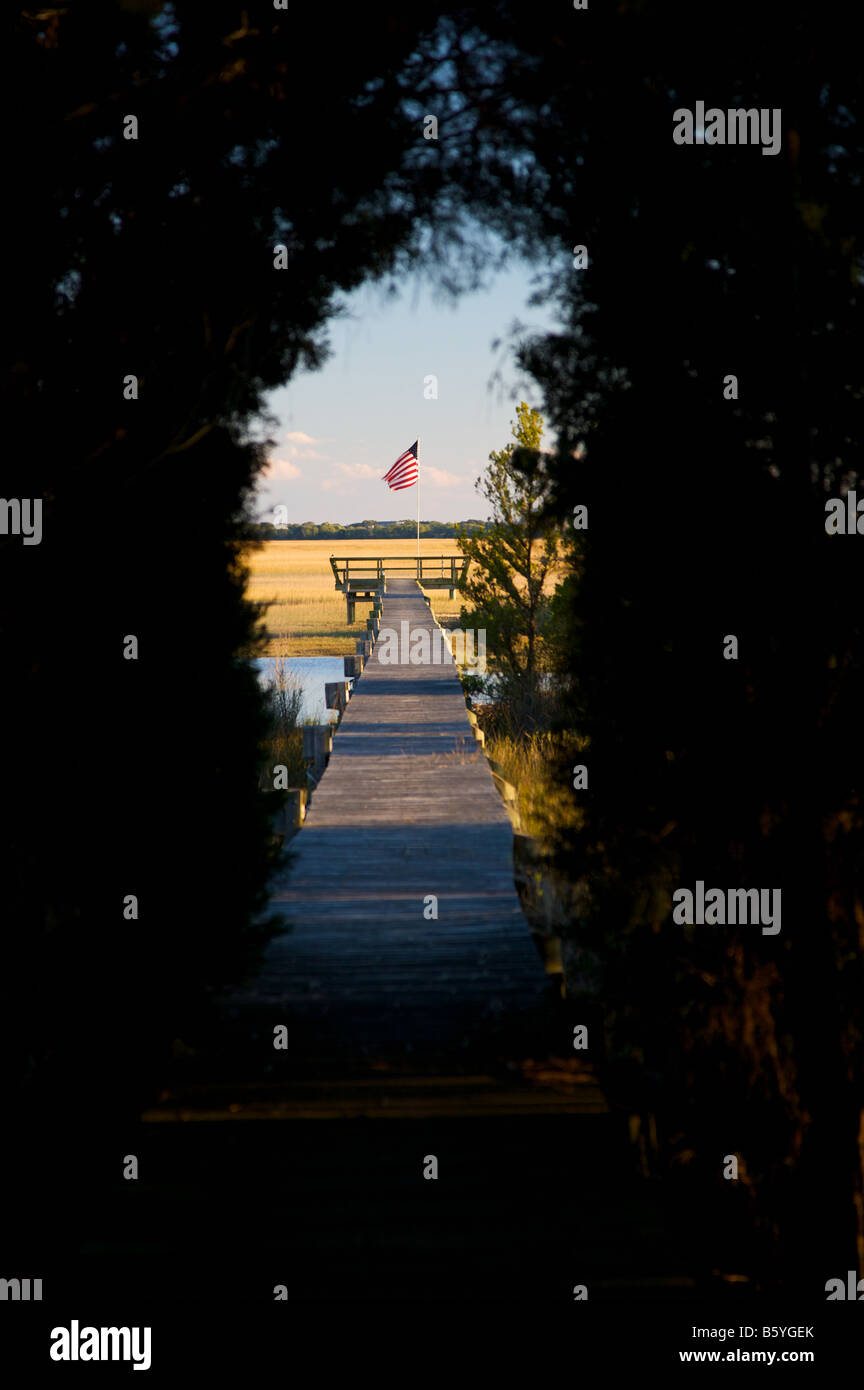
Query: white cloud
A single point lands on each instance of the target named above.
(430, 477)
(297, 446)
(439, 477)
(281, 469)
(359, 470)
(298, 437)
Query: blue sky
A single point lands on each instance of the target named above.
(340, 429)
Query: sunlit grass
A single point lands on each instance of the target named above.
(525, 764)
(306, 615)
(283, 745)
(544, 802)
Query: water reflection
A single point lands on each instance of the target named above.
(310, 673)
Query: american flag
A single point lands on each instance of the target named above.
(404, 471)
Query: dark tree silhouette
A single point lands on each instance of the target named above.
(154, 258)
(706, 519)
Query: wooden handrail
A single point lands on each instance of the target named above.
(386, 559)
(447, 570)
(379, 564)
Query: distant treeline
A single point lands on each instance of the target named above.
(362, 530)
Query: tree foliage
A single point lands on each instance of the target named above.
(706, 518)
(513, 555)
(360, 530)
(154, 257)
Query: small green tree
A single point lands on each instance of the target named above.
(512, 556)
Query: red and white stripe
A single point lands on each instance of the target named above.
(404, 472)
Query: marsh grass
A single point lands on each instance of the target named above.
(304, 615)
(536, 765)
(525, 764)
(283, 742)
(553, 899)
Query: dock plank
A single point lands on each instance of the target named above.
(406, 1037)
(369, 986)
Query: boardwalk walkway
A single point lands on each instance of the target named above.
(406, 812)
(408, 1037)
(390, 1009)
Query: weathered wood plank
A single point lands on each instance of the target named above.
(404, 824)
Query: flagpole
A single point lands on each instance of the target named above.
(418, 500)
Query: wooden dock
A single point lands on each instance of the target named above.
(376, 991)
(407, 812)
(361, 578)
(409, 1037)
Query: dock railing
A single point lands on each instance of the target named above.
(432, 571)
